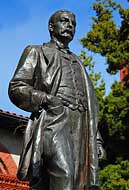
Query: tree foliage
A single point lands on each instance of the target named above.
(89, 64)
(113, 114)
(115, 177)
(114, 128)
(106, 37)
(114, 122)
(111, 41)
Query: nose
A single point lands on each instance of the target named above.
(70, 24)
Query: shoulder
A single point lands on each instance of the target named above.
(77, 57)
(74, 55)
(29, 56)
(32, 49)
(49, 51)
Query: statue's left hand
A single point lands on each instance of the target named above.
(101, 151)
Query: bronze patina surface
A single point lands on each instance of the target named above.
(61, 141)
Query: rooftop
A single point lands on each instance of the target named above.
(9, 119)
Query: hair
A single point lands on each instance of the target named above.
(55, 16)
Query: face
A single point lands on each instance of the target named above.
(64, 27)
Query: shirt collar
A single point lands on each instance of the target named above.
(60, 46)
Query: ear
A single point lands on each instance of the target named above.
(51, 27)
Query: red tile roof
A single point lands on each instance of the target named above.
(8, 182)
(13, 115)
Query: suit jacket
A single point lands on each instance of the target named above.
(37, 75)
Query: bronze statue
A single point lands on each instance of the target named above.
(61, 143)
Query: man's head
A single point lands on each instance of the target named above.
(62, 26)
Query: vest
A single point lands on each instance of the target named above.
(72, 88)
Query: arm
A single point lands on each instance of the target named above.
(21, 89)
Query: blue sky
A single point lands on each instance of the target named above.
(24, 22)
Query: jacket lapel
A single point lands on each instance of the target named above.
(53, 71)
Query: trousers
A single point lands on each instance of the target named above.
(61, 155)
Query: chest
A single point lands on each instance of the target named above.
(72, 74)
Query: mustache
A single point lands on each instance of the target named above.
(68, 31)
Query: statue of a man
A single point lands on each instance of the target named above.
(61, 142)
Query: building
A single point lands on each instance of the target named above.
(124, 72)
(12, 128)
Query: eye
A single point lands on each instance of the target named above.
(64, 20)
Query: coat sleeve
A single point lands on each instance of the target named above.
(21, 88)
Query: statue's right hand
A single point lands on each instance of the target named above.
(53, 101)
(54, 104)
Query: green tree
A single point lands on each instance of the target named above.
(106, 37)
(115, 177)
(113, 114)
(114, 122)
(111, 41)
(114, 127)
